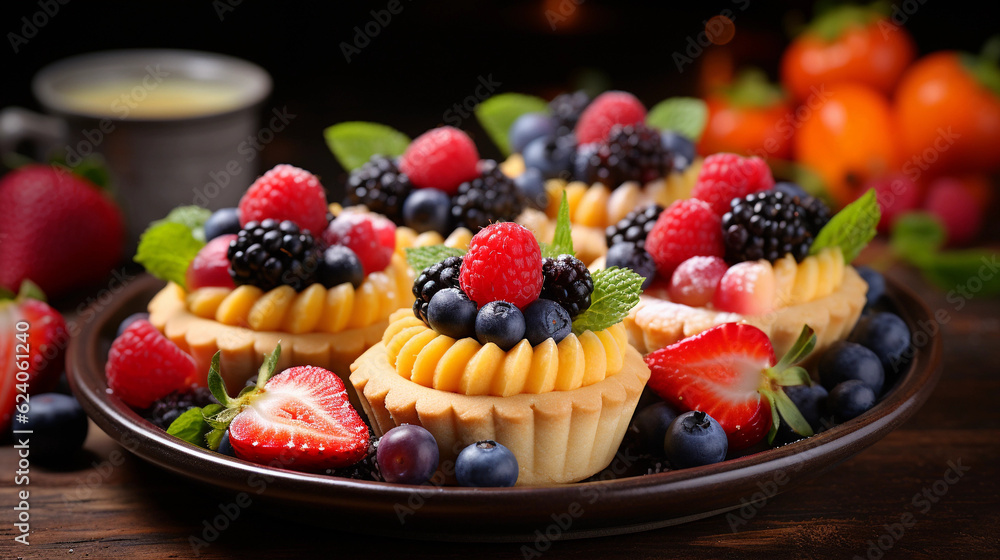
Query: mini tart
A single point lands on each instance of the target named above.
(557, 436)
(318, 327)
(595, 207)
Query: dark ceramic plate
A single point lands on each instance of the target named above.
(620, 505)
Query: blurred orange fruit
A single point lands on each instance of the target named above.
(749, 117)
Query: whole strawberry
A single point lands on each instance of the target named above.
(724, 177)
(32, 349)
(286, 193)
(57, 229)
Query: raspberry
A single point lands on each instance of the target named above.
(269, 254)
(441, 158)
(370, 236)
(695, 280)
(566, 281)
(432, 280)
(143, 366)
(604, 112)
(634, 227)
(493, 197)
(768, 225)
(688, 228)
(504, 262)
(724, 177)
(630, 153)
(747, 288)
(286, 193)
(380, 186)
(956, 208)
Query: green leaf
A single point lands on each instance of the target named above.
(793, 376)
(92, 168)
(269, 366)
(420, 258)
(209, 413)
(216, 384)
(194, 217)
(214, 438)
(972, 271)
(850, 229)
(355, 142)
(30, 290)
(916, 237)
(499, 112)
(803, 345)
(616, 292)
(166, 249)
(775, 418)
(790, 414)
(562, 240)
(190, 427)
(686, 115)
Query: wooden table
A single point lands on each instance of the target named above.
(113, 505)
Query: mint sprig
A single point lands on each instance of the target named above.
(616, 292)
(192, 427)
(194, 217)
(499, 112)
(851, 229)
(562, 239)
(420, 258)
(686, 115)
(166, 249)
(355, 142)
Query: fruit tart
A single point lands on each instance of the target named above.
(771, 257)
(504, 348)
(278, 267)
(604, 153)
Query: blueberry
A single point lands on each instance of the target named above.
(791, 189)
(532, 186)
(407, 454)
(849, 400)
(681, 147)
(651, 423)
(888, 336)
(340, 265)
(581, 161)
(486, 464)
(848, 360)
(810, 400)
(225, 446)
(694, 439)
(221, 222)
(58, 425)
(629, 255)
(501, 323)
(131, 319)
(545, 319)
(553, 157)
(528, 127)
(427, 210)
(876, 284)
(451, 313)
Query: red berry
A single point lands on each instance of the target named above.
(746, 288)
(504, 263)
(957, 208)
(210, 266)
(604, 112)
(286, 193)
(688, 228)
(724, 177)
(370, 236)
(143, 365)
(896, 195)
(441, 158)
(695, 280)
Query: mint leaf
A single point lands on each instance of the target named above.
(686, 115)
(355, 142)
(194, 217)
(420, 258)
(562, 240)
(499, 112)
(190, 427)
(166, 249)
(850, 229)
(916, 236)
(616, 292)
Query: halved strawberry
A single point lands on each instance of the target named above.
(729, 372)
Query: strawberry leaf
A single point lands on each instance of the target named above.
(499, 112)
(790, 414)
(793, 376)
(850, 229)
(799, 350)
(686, 115)
(30, 290)
(267, 368)
(214, 438)
(562, 240)
(420, 258)
(616, 292)
(190, 427)
(354, 143)
(216, 384)
(775, 418)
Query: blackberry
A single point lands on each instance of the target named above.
(767, 225)
(379, 185)
(631, 153)
(432, 280)
(566, 109)
(365, 469)
(635, 226)
(164, 411)
(491, 197)
(566, 281)
(269, 254)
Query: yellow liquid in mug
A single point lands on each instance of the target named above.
(152, 97)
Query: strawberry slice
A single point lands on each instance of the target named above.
(300, 419)
(729, 372)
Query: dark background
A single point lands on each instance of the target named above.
(432, 54)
